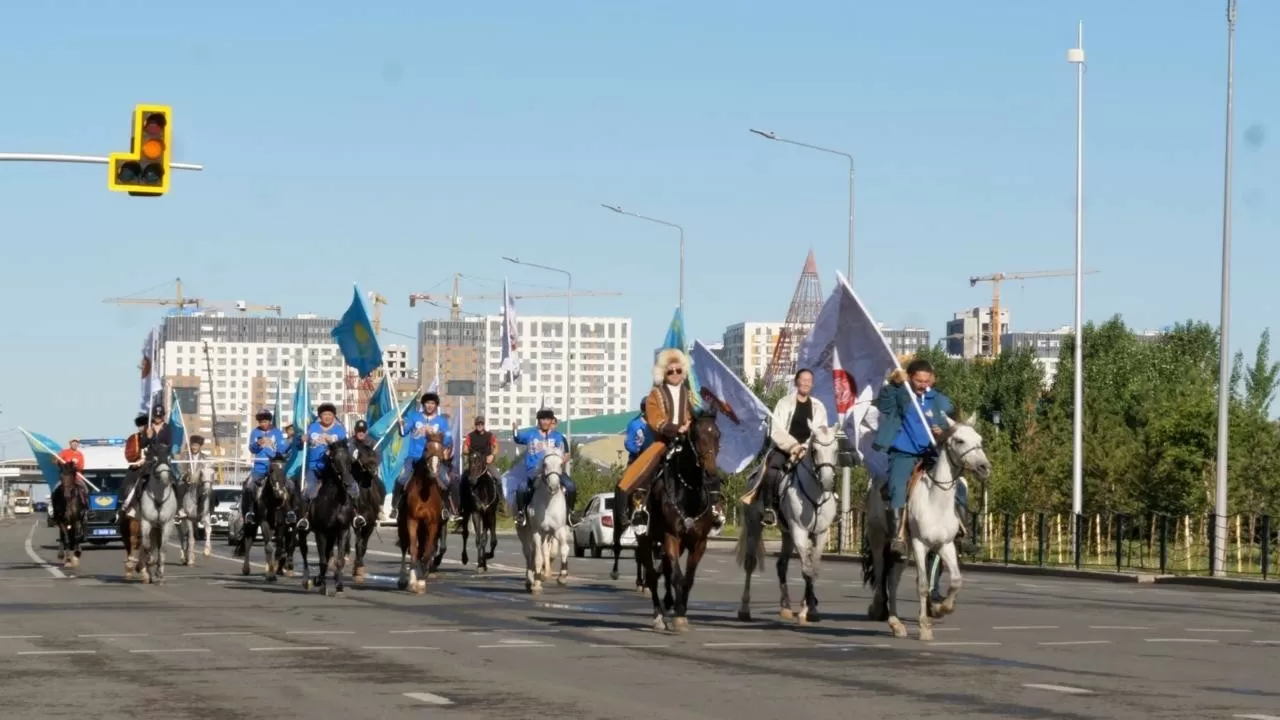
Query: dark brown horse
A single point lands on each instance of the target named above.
(420, 522)
(69, 513)
(685, 490)
(480, 493)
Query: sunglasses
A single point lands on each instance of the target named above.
(676, 371)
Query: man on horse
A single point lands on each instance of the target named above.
(73, 457)
(156, 443)
(639, 438)
(906, 438)
(541, 440)
(415, 425)
(325, 429)
(788, 433)
(483, 441)
(265, 443)
(133, 456)
(195, 449)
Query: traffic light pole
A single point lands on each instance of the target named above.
(78, 159)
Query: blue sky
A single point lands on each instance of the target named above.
(395, 143)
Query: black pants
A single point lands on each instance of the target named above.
(775, 467)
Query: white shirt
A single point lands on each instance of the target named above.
(677, 408)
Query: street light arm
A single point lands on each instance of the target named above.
(819, 148)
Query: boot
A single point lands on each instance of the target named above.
(571, 501)
(246, 508)
(966, 541)
(522, 506)
(898, 545)
(396, 494)
(768, 500)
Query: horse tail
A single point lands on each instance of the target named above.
(750, 546)
(868, 566)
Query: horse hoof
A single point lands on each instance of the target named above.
(899, 630)
(357, 579)
(308, 584)
(786, 614)
(812, 616)
(659, 624)
(464, 560)
(289, 572)
(926, 634)
(640, 589)
(208, 552)
(613, 575)
(744, 615)
(402, 584)
(562, 580)
(244, 570)
(271, 578)
(680, 624)
(420, 588)
(340, 592)
(330, 591)
(537, 590)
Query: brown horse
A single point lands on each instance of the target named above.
(69, 513)
(421, 519)
(684, 492)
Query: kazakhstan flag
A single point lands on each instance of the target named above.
(356, 339)
(675, 339)
(46, 452)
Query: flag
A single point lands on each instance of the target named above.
(301, 420)
(741, 417)
(46, 453)
(394, 448)
(675, 339)
(177, 428)
(152, 384)
(510, 365)
(457, 440)
(850, 360)
(381, 402)
(356, 338)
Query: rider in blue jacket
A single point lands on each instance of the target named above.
(324, 430)
(415, 425)
(541, 440)
(639, 436)
(265, 442)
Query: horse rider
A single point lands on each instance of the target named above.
(265, 443)
(195, 452)
(72, 455)
(570, 487)
(480, 439)
(415, 425)
(325, 429)
(968, 541)
(156, 443)
(540, 441)
(360, 436)
(133, 456)
(668, 411)
(905, 438)
(639, 437)
(788, 433)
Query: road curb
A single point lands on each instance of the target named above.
(1226, 583)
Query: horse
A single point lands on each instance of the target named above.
(480, 493)
(196, 492)
(684, 491)
(270, 509)
(808, 508)
(130, 530)
(546, 535)
(932, 524)
(157, 507)
(622, 502)
(420, 522)
(69, 513)
(368, 505)
(332, 510)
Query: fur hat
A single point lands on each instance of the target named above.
(665, 358)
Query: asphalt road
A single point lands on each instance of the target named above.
(211, 644)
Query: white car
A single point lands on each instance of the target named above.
(22, 506)
(596, 529)
(225, 503)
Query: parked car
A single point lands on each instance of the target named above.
(595, 532)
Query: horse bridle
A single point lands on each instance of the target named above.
(954, 459)
(483, 476)
(816, 468)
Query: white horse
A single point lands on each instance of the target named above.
(932, 524)
(545, 536)
(197, 503)
(808, 506)
(157, 508)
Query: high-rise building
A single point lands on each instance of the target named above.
(969, 332)
(747, 348)
(905, 341)
(470, 350)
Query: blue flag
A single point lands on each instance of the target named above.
(46, 452)
(382, 402)
(177, 429)
(675, 339)
(301, 420)
(356, 338)
(394, 449)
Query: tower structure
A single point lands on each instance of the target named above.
(803, 313)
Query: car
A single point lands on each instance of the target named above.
(224, 503)
(595, 532)
(22, 506)
(41, 506)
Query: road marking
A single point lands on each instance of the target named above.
(958, 643)
(1219, 630)
(1076, 642)
(398, 647)
(845, 646)
(430, 698)
(170, 650)
(112, 635)
(58, 652)
(1029, 585)
(422, 630)
(26, 637)
(216, 633)
(1059, 688)
(530, 631)
(1118, 627)
(320, 632)
(1182, 640)
(35, 558)
(1255, 642)
(299, 648)
(621, 645)
(515, 644)
(741, 644)
(1257, 716)
(1025, 627)
(610, 629)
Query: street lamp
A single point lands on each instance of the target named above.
(568, 329)
(1075, 56)
(1224, 354)
(770, 135)
(618, 209)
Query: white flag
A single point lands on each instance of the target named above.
(152, 380)
(741, 417)
(510, 366)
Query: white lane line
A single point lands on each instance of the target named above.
(524, 632)
(1058, 688)
(610, 629)
(58, 652)
(398, 647)
(422, 630)
(740, 644)
(429, 698)
(170, 650)
(505, 646)
(1118, 627)
(1266, 642)
(1076, 642)
(844, 646)
(296, 648)
(20, 637)
(1182, 640)
(1025, 627)
(1218, 630)
(621, 645)
(959, 643)
(112, 635)
(216, 633)
(1257, 716)
(320, 632)
(35, 558)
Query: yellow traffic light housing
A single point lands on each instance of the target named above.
(144, 170)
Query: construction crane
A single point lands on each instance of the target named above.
(995, 279)
(378, 300)
(238, 306)
(455, 298)
(181, 301)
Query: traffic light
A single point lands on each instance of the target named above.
(144, 170)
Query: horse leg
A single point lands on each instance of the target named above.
(477, 523)
(690, 571)
(402, 537)
(415, 556)
(618, 529)
(248, 534)
(491, 530)
(307, 581)
(145, 549)
(466, 535)
(441, 536)
(810, 568)
(340, 562)
(362, 546)
(563, 541)
(922, 586)
(644, 551)
(671, 549)
(749, 552)
(162, 541)
(954, 581)
(784, 559)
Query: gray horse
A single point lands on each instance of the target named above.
(197, 505)
(157, 508)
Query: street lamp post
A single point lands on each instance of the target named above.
(618, 209)
(568, 330)
(1224, 347)
(1075, 56)
(846, 473)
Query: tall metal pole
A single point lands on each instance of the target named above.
(618, 209)
(77, 159)
(1076, 56)
(1224, 347)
